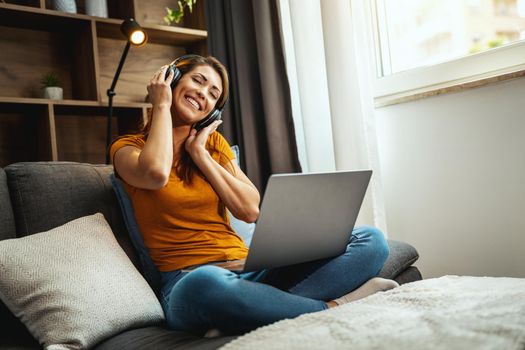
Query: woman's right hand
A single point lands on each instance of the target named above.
(159, 89)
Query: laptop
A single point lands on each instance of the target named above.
(304, 217)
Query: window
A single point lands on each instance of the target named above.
(417, 33)
(427, 44)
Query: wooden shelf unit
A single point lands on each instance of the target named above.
(84, 52)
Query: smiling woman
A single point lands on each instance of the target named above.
(198, 90)
(181, 176)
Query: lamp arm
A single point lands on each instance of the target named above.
(111, 93)
(120, 65)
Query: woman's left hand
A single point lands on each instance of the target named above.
(196, 142)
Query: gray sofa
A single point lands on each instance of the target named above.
(38, 196)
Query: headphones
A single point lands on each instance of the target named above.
(215, 114)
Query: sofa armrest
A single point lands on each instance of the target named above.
(402, 256)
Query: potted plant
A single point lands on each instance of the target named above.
(50, 84)
(177, 14)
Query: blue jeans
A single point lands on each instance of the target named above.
(212, 297)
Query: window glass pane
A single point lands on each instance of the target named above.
(417, 33)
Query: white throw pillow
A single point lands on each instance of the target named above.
(74, 286)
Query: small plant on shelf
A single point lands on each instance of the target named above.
(51, 85)
(177, 14)
(50, 79)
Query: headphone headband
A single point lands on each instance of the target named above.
(189, 56)
(216, 112)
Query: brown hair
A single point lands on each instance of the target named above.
(185, 167)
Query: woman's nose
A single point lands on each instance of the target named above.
(200, 94)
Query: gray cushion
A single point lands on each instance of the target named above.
(161, 338)
(78, 288)
(147, 266)
(7, 220)
(45, 195)
(411, 274)
(402, 255)
(11, 327)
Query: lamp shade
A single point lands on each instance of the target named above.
(133, 32)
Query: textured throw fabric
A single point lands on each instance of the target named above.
(446, 313)
(74, 286)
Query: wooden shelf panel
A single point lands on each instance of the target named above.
(157, 34)
(76, 103)
(34, 44)
(24, 133)
(51, 20)
(39, 19)
(153, 13)
(30, 3)
(81, 136)
(82, 139)
(141, 63)
(84, 51)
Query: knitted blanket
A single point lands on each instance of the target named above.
(446, 313)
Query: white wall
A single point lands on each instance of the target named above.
(453, 174)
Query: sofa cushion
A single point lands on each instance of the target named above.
(411, 274)
(11, 327)
(243, 229)
(45, 195)
(402, 255)
(7, 220)
(146, 264)
(161, 338)
(74, 286)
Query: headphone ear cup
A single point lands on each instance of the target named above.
(216, 114)
(176, 75)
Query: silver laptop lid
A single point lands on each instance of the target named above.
(306, 217)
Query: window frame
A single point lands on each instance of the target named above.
(471, 70)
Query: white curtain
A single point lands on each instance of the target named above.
(329, 63)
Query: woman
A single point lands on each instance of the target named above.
(181, 181)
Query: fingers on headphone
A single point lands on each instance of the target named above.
(159, 75)
(214, 125)
(170, 76)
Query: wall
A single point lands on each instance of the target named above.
(453, 173)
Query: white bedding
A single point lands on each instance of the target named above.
(450, 312)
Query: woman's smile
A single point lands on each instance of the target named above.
(193, 102)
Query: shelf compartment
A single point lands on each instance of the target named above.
(29, 3)
(157, 34)
(40, 19)
(59, 44)
(25, 133)
(141, 63)
(81, 133)
(116, 9)
(153, 13)
(44, 101)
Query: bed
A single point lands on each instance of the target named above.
(450, 312)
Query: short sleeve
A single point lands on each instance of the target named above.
(220, 148)
(128, 140)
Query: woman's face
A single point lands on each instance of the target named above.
(196, 95)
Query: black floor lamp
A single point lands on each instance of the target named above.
(136, 36)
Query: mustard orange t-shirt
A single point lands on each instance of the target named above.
(182, 224)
